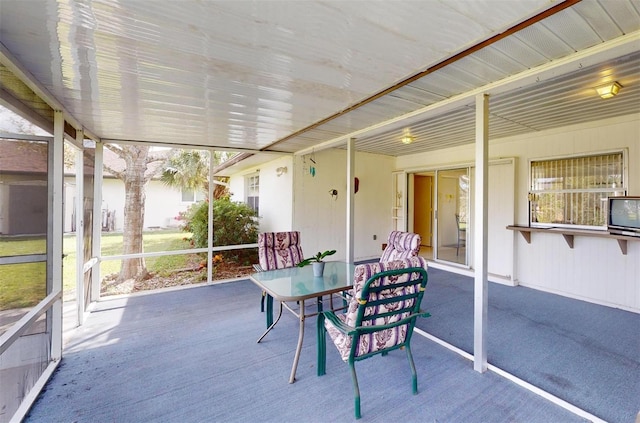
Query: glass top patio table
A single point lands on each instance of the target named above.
(297, 284)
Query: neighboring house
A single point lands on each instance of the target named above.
(163, 204)
(594, 269)
(21, 177)
(23, 188)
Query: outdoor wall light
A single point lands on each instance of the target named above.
(608, 90)
(281, 171)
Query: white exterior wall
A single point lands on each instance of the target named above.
(276, 197)
(163, 204)
(322, 219)
(276, 201)
(161, 207)
(69, 202)
(308, 207)
(595, 269)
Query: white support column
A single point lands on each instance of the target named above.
(57, 233)
(480, 234)
(351, 163)
(79, 203)
(210, 221)
(96, 231)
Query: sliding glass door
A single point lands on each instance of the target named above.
(452, 216)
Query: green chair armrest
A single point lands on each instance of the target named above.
(339, 324)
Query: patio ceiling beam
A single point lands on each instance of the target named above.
(452, 59)
(196, 146)
(618, 47)
(14, 104)
(8, 60)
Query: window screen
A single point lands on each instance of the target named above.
(573, 191)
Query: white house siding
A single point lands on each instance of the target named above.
(236, 185)
(162, 205)
(69, 203)
(595, 269)
(306, 205)
(275, 193)
(322, 218)
(500, 214)
(276, 202)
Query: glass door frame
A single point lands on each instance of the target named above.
(452, 201)
(438, 250)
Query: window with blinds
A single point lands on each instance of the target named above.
(253, 192)
(573, 191)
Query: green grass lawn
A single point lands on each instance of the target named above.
(23, 285)
(154, 241)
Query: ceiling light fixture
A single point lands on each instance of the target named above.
(407, 138)
(608, 90)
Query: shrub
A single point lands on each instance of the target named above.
(233, 223)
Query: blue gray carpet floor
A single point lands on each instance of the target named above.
(191, 356)
(585, 354)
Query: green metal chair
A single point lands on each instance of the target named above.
(381, 316)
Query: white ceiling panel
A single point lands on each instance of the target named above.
(112, 62)
(599, 19)
(287, 75)
(572, 29)
(491, 64)
(417, 95)
(625, 14)
(544, 41)
(520, 52)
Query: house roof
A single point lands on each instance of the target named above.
(287, 76)
(23, 157)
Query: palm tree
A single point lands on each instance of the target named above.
(189, 169)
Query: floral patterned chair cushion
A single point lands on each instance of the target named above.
(401, 245)
(380, 317)
(376, 341)
(278, 250)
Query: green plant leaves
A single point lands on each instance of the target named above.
(317, 258)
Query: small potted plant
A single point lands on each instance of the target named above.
(318, 264)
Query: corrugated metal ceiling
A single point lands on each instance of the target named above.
(279, 75)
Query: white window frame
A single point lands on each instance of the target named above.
(252, 188)
(197, 195)
(617, 187)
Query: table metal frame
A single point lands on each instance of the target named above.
(298, 284)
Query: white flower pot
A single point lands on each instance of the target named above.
(318, 268)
